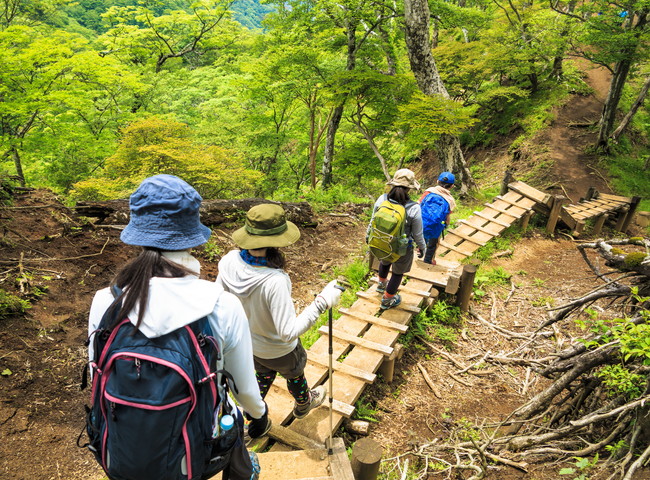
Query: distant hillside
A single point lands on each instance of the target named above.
(250, 13)
(87, 13)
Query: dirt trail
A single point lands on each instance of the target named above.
(571, 134)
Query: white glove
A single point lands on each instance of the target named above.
(330, 296)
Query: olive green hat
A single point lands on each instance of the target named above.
(266, 226)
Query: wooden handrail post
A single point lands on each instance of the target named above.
(366, 457)
(630, 213)
(558, 201)
(466, 285)
(507, 180)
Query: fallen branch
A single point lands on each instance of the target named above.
(429, 382)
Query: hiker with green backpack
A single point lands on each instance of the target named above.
(395, 225)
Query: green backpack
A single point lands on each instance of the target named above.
(386, 239)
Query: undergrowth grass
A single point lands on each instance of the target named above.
(438, 323)
(630, 173)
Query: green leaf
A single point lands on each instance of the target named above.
(6, 372)
(567, 471)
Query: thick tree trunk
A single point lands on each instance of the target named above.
(423, 65)
(451, 160)
(608, 115)
(635, 106)
(621, 71)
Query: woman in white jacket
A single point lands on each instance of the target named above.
(162, 293)
(255, 274)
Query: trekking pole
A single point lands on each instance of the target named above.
(329, 371)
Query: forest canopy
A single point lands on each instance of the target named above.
(282, 99)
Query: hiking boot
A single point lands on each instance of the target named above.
(256, 465)
(316, 398)
(381, 287)
(390, 302)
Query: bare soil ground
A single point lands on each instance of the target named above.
(63, 260)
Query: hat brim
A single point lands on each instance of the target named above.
(415, 186)
(165, 239)
(246, 241)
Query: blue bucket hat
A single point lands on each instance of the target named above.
(447, 177)
(165, 215)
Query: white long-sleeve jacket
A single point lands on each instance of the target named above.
(265, 294)
(176, 302)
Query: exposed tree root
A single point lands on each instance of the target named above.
(598, 398)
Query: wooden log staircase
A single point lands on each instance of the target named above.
(365, 338)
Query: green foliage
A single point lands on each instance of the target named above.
(427, 117)
(364, 410)
(321, 200)
(634, 338)
(438, 322)
(630, 175)
(619, 380)
(490, 277)
(156, 145)
(11, 304)
(583, 467)
(211, 250)
(355, 275)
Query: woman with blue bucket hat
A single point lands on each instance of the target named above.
(159, 292)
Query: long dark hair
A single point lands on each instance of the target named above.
(275, 258)
(133, 278)
(399, 194)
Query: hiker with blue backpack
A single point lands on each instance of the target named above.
(437, 205)
(256, 274)
(165, 347)
(395, 226)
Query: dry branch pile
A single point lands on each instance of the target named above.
(595, 402)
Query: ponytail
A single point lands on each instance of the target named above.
(134, 279)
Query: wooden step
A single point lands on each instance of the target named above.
(406, 288)
(313, 464)
(339, 407)
(323, 361)
(530, 192)
(491, 219)
(375, 320)
(401, 306)
(358, 341)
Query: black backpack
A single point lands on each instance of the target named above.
(156, 403)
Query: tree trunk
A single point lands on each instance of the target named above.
(635, 106)
(423, 65)
(371, 141)
(335, 120)
(19, 166)
(451, 160)
(312, 149)
(608, 115)
(328, 154)
(619, 78)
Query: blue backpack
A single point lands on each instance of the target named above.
(156, 403)
(434, 214)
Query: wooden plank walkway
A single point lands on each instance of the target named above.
(474, 232)
(364, 337)
(599, 208)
